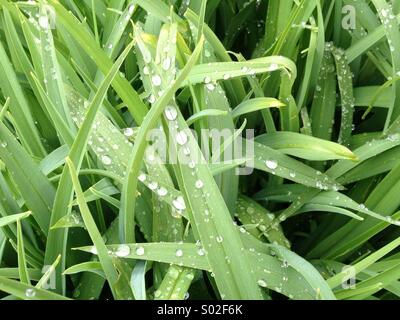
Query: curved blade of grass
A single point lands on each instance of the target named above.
(127, 220)
(324, 103)
(327, 208)
(306, 147)
(27, 292)
(215, 71)
(23, 272)
(48, 273)
(345, 81)
(392, 32)
(4, 221)
(175, 284)
(65, 187)
(122, 86)
(204, 114)
(37, 191)
(256, 104)
(270, 272)
(101, 249)
(19, 106)
(365, 263)
(308, 271)
(275, 162)
(51, 69)
(92, 266)
(138, 282)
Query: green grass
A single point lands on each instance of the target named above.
(91, 209)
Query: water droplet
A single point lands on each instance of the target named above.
(129, 132)
(219, 239)
(179, 253)
(152, 99)
(30, 293)
(179, 203)
(171, 113)
(106, 160)
(142, 177)
(162, 192)
(201, 252)
(199, 184)
(181, 138)
(250, 210)
(131, 8)
(44, 22)
(166, 64)
(210, 87)
(153, 185)
(262, 283)
(139, 251)
(146, 70)
(271, 164)
(207, 80)
(263, 228)
(123, 251)
(156, 80)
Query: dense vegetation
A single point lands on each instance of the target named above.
(90, 208)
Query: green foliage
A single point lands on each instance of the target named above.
(90, 207)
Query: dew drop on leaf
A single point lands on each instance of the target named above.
(123, 251)
(44, 22)
(156, 80)
(139, 251)
(181, 138)
(128, 132)
(179, 203)
(162, 192)
(171, 113)
(30, 293)
(106, 160)
(142, 177)
(271, 164)
(262, 283)
(199, 184)
(210, 87)
(153, 185)
(166, 64)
